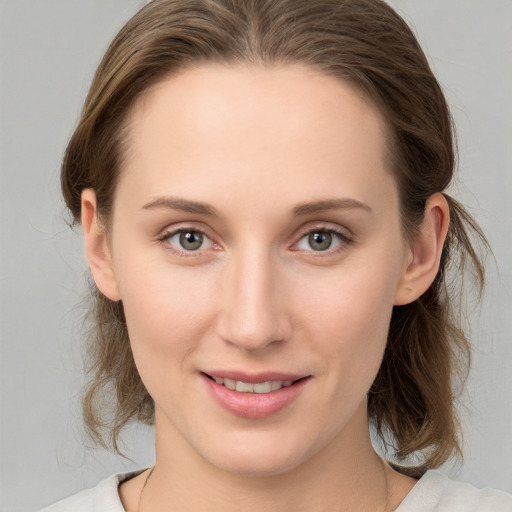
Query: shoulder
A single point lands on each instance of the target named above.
(102, 498)
(435, 492)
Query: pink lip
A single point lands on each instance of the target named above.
(254, 405)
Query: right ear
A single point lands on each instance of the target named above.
(96, 247)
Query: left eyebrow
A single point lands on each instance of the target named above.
(183, 205)
(328, 205)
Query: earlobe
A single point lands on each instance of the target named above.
(425, 252)
(96, 247)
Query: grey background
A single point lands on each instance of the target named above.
(48, 51)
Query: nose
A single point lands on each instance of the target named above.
(253, 303)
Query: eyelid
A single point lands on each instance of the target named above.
(344, 234)
(169, 232)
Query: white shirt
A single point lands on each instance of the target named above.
(434, 492)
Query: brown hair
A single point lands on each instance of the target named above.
(411, 403)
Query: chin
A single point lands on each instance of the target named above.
(257, 465)
(257, 457)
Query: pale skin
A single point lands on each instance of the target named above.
(258, 160)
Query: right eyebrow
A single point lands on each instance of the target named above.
(329, 204)
(183, 205)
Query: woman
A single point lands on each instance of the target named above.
(261, 186)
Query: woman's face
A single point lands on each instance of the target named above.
(256, 244)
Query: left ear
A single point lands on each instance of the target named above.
(424, 254)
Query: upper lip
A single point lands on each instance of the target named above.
(253, 378)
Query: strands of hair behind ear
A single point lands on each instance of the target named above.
(115, 394)
(428, 354)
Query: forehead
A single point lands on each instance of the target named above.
(282, 126)
(204, 95)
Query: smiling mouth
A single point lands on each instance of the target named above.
(256, 387)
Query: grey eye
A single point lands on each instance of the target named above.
(189, 240)
(319, 241)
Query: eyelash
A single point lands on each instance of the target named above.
(345, 240)
(167, 235)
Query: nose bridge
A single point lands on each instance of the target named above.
(252, 315)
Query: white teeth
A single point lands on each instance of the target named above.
(244, 387)
(248, 387)
(263, 387)
(231, 384)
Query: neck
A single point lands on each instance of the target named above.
(347, 474)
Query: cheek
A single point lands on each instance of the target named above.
(349, 303)
(348, 316)
(167, 309)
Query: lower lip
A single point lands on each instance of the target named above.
(254, 405)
